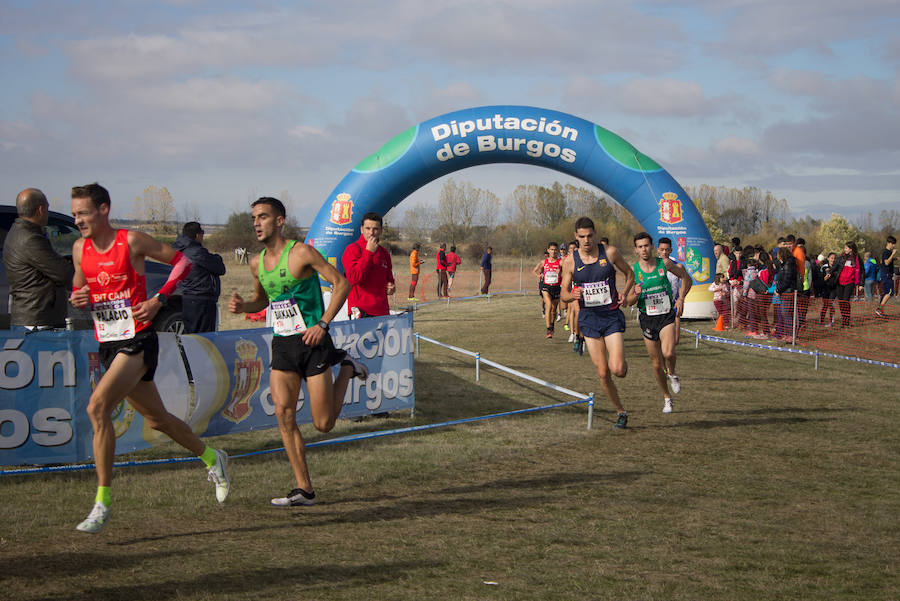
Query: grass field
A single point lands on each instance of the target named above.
(771, 481)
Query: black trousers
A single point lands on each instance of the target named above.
(199, 314)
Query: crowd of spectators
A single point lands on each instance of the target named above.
(753, 283)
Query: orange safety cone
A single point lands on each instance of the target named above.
(720, 325)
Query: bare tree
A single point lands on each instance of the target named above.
(156, 208)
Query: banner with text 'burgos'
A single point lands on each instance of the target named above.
(218, 383)
(530, 135)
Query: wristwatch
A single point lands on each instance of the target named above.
(322, 325)
(162, 298)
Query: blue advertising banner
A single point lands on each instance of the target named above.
(218, 383)
(521, 134)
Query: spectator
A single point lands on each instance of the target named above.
(737, 266)
(829, 288)
(486, 269)
(785, 289)
(39, 278)
(721, 259)
(850, 279)
(888, 256)
(414, 263)
(735, 245)
(200, 289)
(441, 268)
(719, 288)
(798, 249)
(763, 297)
(453, 262)
(871, 272)
(369, 271)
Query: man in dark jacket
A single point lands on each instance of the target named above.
(39, 278)
(200, 289)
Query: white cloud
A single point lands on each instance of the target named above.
(662, 97)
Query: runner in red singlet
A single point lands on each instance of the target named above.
(109, 279)
(549, 270)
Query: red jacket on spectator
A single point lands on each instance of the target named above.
(453, 262)
(369, 274)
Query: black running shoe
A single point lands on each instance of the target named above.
(622, 422)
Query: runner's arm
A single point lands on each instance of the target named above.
(686, 283)
(340, 288)
(81, 296)
(566, 292)
(616, 258)
(237, 304)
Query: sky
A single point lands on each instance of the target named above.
(222, 101)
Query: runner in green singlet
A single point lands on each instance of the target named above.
(653, 294)
(286, 280)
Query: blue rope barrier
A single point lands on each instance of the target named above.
(789, 349)
(320, 443)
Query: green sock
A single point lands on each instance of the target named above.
(103, 495)
(209, 456)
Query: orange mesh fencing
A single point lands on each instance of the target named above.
(467, 282)
(845, 327)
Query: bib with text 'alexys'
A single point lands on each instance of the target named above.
(597, 281)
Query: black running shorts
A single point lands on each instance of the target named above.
(144, 341)
(290, 353)
(651, 325)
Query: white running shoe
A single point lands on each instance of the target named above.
(668, 406)
(674, 383)
(96, 520)
(558, 317)
(572, 337)
(359, 369)
(218, 474)
(295, 498)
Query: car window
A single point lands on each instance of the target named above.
(6, 221)
(62, 235)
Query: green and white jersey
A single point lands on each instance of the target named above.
(294, 305)
(656, 291)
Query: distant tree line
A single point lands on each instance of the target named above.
(472, 218)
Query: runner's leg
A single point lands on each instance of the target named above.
(115, 385)
(597, 349)
(656, 360)
(285, 388)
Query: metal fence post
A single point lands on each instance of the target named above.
(477, 367)
(590, 423)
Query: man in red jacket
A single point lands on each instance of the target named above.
(367, 267)
(443, 290)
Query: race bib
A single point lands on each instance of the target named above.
(657, 303)
(286, 317)
(113, 320)
(551, 278)
(596, 294)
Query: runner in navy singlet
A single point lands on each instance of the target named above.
(591, 274)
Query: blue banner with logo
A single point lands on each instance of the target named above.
(218, 383)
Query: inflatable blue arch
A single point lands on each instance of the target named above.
(530, 135)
